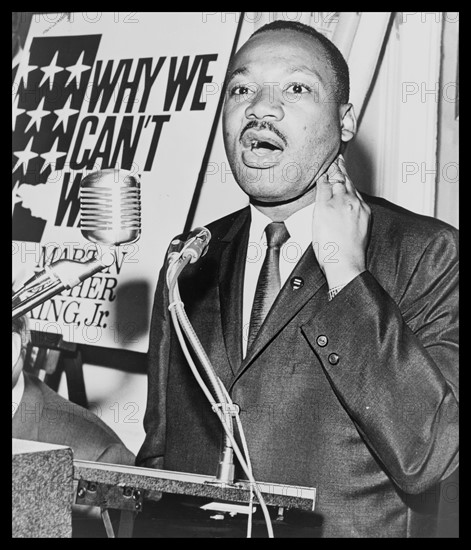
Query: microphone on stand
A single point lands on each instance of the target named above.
(180, 254)
(53, 279)
(228, 412)
(193, 248)
(110, 215)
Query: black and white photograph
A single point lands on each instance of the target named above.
(235, 281)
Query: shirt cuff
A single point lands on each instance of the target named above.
(334, 291)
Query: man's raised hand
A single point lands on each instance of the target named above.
(340, 223)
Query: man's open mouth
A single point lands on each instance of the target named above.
(262, 143)
(263, 147)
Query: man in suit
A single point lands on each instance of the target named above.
(347, 375)
(41, 414)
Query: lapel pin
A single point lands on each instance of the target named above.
(296, 283)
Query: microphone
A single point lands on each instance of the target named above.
(195, 246)
(53, 279)
(110, 207)
(110, 214)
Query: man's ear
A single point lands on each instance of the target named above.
(15, 348)
(348, 121)
(16, 357)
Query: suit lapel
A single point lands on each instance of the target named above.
(231, 283)
(25, 421)
(288, 302)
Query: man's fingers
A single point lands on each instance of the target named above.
(324, 189)
(336, 179)
(350, 187)
(343, 171)
(334, 173)
(351, 190)
(358, 194)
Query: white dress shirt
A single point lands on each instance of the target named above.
(299, 226)
(17, 394)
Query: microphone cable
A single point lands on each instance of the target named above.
(249, 465)
(181, 321)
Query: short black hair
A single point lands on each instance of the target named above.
(335, 58)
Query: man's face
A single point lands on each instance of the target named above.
(281, 123)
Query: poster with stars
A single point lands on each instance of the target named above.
(136, 91)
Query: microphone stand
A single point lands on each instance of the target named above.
(193, 249)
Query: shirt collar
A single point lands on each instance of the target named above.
(257, 226)
(299, 225)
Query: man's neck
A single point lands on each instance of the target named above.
(281, 212)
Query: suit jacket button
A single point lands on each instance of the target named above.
(334, 358)
(322, 341)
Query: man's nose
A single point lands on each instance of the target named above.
(266, 103)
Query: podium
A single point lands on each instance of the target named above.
(43, 477)
(128, 488)
(42, 490)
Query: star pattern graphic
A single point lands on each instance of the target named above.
(25, 156)
(25, 69)
(49, 78)
(15, 112)
(37, 115)
(50, 71)
(51, 157)
(15, 198)
(64, 114)
(77, 70)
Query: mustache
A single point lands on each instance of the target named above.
(263, 125)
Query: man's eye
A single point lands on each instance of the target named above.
(241, 90)
(297, 89)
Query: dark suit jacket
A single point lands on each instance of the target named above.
(43, 415)
(375, 432)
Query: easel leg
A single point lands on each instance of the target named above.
(75, 381)
(105, 516)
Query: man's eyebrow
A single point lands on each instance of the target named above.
(305, 69)
(293, 69)
(240, 70)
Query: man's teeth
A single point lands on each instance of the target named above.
(256, 144)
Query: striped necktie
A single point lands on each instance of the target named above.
(268, 284)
